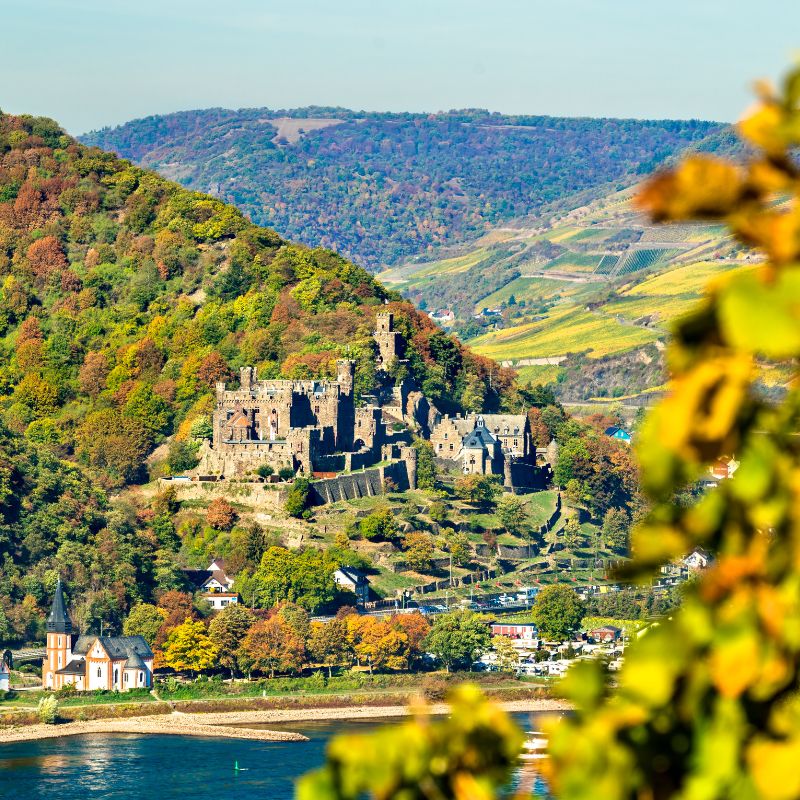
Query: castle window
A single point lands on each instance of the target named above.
(316, 409)
(59, 641)
(59, 660)
(451, 446)
(125, 677)
(99, 672)
(516, 442)
(440, 445)
(116, 675)
(445, 436)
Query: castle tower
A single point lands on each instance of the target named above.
(390, 341)
(59, 641)
(346, 375)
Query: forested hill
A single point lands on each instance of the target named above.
(126, 297)
(123, 299)
(381, 187)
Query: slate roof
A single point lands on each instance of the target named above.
(75, 667)
(59, 621)
(498, 423)
(134, 662)
(351, 573)
(479, 438)
(117, 647)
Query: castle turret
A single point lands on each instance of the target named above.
(247, 378)
(389, 341)
(345, 375)
(59, 641)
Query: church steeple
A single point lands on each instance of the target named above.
(59, 621)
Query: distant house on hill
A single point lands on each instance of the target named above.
(620, 434)
(722, 469)
(696, 560)
(353, 580)
(213, 584)
(442, 315)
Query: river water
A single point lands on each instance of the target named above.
(132, 767)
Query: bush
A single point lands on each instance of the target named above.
(286, 473)
(67, 690)
(47, 710)
(297, 498)
(264, 470)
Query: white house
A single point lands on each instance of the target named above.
(214, 584)
(696, 560)
(353, 580)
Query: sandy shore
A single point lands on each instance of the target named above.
(216, 724)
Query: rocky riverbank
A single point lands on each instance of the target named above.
(233, 724)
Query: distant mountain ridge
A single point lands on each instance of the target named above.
(381, 187)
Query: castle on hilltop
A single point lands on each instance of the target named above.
(313, 426)
(317, 429)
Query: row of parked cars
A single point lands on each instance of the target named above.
(523, 597)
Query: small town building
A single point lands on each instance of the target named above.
(607, 633)
(353, 580)
(525, 632)
(214, 584)
(91, 662)
(620, 434)
(5, 672)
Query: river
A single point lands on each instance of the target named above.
(132, 767)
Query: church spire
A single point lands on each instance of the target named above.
(59, 621)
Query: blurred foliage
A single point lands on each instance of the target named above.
(467, 756)
(706, 704)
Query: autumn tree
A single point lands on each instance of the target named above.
(188, 647)
(45, 256)
(328, 644)
(220, 514)
(227, 632)
(93, 374)
(213, 369)
(418, 550)
(272, 646)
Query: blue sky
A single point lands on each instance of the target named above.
(90, 63)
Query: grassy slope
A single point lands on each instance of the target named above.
(576, 311)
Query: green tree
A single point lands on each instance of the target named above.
(328, 644)
(297, 497)
(506, 653)
(616, 530)
(512, 511)
(144, 620)
(557, 612)
(426, 465)
(458, 638)
(380, 525)
(182, 456)
(571, 533)
(304, 577)
(47, 710)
